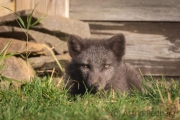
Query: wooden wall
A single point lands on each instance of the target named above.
(125, 10)
(7, 3)
(50, 7)
(153, 47)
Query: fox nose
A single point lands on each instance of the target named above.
(96, 85)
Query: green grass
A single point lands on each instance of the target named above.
(42, 100)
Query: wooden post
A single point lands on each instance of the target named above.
(49, 7)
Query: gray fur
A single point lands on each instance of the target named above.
(97, 65)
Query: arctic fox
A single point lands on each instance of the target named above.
(97, 65)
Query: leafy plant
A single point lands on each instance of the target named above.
(27, 26)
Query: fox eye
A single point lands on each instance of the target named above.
(85, 66)
(107, 66)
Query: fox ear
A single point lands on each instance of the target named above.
(75, 45)
(117, 44)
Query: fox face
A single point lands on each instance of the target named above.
(96, 69)
(96, 61)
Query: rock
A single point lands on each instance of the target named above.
(56, 25)
(39, 62)
(17, 69)
(17, 46)
(44, 63)
(59, 46)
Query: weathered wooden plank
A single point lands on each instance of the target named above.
(7, 3)
(50, 7)
(24, 4)
(125, 10)
(152, 47)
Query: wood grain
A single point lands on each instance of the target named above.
(6, 3)
(125, 10)
(50, 7)
(152, 47)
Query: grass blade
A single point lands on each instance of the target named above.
(9, 79)
(5, 47)
(18, 17)
(21, 21)
(42, 17)
(2, 67)
(59, 65)
(8, 9)
(161, 96)
(29, 19)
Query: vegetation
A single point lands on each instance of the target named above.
(44, 100)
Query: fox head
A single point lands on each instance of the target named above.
(96, 61)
